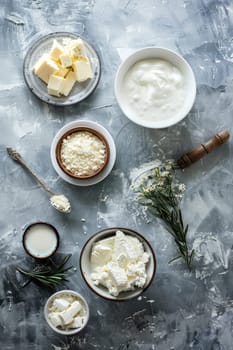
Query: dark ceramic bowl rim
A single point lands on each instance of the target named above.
(124, 230)
(48, 100)
(25, 246)
(79, 129)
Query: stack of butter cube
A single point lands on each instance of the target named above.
(63, 66)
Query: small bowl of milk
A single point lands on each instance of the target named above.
(40, 240)
(155, 87)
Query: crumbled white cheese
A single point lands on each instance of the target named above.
(83, 153)
(60, 202)
(119, 263)
(67, 312)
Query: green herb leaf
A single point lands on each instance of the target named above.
(160, 194)
(51, 277)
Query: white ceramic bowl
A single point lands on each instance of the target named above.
(112, 153)
(86, 270)
(70, 292)
(173, 58)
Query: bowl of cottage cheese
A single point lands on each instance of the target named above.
(118, 264)
(155, 87)
(66, 312)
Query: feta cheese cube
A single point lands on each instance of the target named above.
(45, 67)
(82, 70)
(117, 275)
(77, 48)
(56, 50)
(77, 322)
(68, 83)
(68, 314)
(65, 59)
(55, 85)
(61, 304)
(55, 319)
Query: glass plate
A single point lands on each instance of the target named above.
(80, 91)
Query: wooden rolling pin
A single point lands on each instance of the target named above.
(200, 151)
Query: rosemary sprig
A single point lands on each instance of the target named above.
(161, 195)
(50, 277)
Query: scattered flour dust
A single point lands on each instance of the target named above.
(210, 254)
(137, 173)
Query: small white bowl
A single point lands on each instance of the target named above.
(167, 55)
(86, 269)
(112, 153)
(71, 331)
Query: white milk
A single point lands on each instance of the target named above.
(40, 240)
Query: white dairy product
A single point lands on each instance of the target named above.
(61, 304)
(60, 202)
(67, 315)
(67, 311)
(75, 47)
(40, 240)
(55, 319)
(154, 89)
(77, 322)
(119, 263)
(83, 153)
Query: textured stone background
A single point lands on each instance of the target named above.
(180, 311)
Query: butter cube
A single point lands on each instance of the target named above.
(68, 314)
(66, 60)
(45, 67)
(68, 83)
(55, 85)
(77, 48)
(56, 50)
(40, 60)
(55, 319)
(82, 70)
(62, 72)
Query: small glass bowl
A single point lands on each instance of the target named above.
(39, 88)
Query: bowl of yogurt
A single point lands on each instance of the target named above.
(155, 87)
(118, 264)
(66, 312)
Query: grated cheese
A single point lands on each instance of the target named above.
(83, 153)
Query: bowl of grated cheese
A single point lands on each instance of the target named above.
(82, 152)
